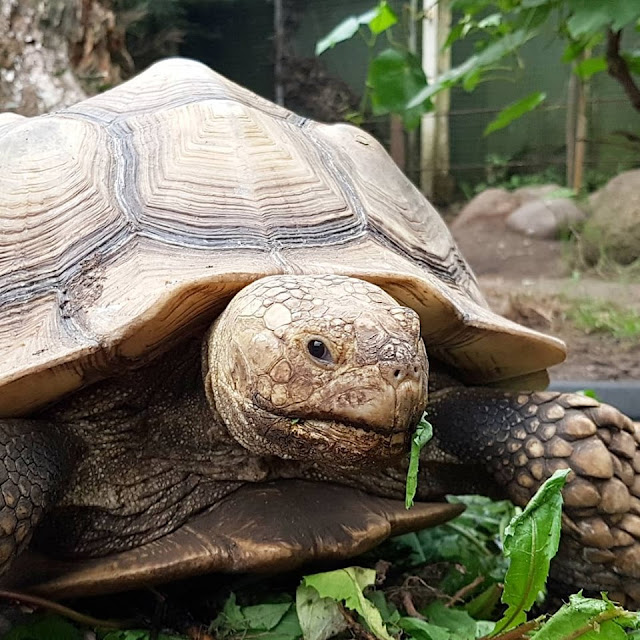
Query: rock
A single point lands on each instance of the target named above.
(613, 229)
(492, 205)
(544, 218)
(50, 50)
(536, 192)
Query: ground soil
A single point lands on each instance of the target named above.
(529, 281)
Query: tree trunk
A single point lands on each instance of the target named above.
(56, 52)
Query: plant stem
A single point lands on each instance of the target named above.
(76, 616)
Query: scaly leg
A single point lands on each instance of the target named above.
(35, 460)
(522, 438)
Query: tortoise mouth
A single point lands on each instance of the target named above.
(337, 443)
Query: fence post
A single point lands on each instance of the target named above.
(435, 180)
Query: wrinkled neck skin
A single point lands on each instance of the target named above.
(248, 402)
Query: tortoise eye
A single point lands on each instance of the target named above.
(319, 351)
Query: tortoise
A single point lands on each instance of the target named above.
(220, 323)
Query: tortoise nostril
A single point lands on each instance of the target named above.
(396, 373)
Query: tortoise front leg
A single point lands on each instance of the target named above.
(522, 438)
(35, 460)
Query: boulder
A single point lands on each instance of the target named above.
(613, 228)
(536, 192)
(492, 205)
(545, 218)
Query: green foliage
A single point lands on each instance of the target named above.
(499, 29)
(45, 627)
(515, 110)
(346, 586)
(595, 316)
(471, 545)
(394, 79)
(394, 76)
(268, 621)
(378, 19)
(531, 541)
(596, 619)
(424, 433)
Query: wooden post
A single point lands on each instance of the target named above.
(278, 46)
(434, 161)
(576, 134)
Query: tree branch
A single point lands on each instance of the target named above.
(619, 69)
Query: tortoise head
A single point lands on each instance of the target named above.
(317, 368)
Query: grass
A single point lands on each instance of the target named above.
(596, 316)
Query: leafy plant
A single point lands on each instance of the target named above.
(394, 76)
(595, 316)
(329, 603)
(499, 29)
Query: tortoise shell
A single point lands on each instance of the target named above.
(130, 219)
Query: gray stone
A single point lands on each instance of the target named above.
(614, 225)
(544, 218)
(536, 192)
(491, 205)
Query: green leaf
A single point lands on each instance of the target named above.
(490, 55)
(378, 19)
(424, 433)
(589, 16)
(346, 585)
(514, 111)
(394, 78)
(345, 30)
(320, 618)
(264, 617)
(269, 621)
(483, 605)
(455, 620)
(597, 618)
(383, 17)
(587, 67)
(422, 630)
(45, 627)
(531, 541)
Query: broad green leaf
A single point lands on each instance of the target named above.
(492, 20)
(45, 627)
(346, 585)
(491, 54)
(483, 605)
(269, 621)
(514, 111)
(230, 617)
(589, 16)
(455, 620)
(531, 541)
(378, 19)
(320, 618)
(424, 433)
(383, 18)
(394, 78)
(264, 617)
(575, 48)
(287, 629)
(345, 30)
(422, 630)
(587, 67)
(598, 619)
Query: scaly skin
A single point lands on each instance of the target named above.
(251, 403)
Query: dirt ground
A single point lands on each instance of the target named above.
(528, 280)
